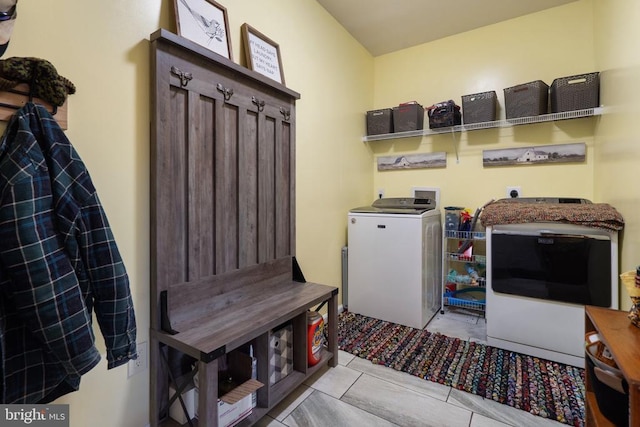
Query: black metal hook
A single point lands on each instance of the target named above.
(30, 95)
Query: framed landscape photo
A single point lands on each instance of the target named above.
(204, 22)
(262, 53)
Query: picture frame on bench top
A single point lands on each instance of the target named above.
(204, 22)
(262, 53)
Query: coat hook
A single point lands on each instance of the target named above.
(183, 76)
(227, 92)
(32, 84)
(260, 103)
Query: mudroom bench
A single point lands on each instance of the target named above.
(225, 283)
(210, 318)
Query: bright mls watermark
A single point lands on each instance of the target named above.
(34, 415)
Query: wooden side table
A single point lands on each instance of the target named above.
(623, 341)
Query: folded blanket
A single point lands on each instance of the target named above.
(596, 215)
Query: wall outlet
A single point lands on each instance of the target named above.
(514, 192)
(380, 193)
(140, 364)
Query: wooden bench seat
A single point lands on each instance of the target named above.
(213, 316)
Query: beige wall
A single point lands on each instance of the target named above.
(541, 46)
(334, 75)
(617, 143)
(580, 37)
(103, 48)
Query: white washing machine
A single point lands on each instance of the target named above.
(395, 259)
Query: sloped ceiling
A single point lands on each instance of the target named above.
(384, 26)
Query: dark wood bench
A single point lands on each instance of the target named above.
(209, 318)
(223, 228)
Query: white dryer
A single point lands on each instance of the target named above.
(395, 259)
(540, 276)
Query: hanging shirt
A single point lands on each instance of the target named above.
(58, 262)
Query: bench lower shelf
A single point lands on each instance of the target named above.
(259, 339)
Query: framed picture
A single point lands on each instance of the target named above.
(560, 153)
(204, 22)
(262, 53)
(413, 161)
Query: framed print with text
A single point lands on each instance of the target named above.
(262, 53)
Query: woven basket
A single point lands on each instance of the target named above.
(526, 100)
(380, 121)
(575, 92)
(408, 116)
(629, 280)
(479, 107)
(598, 351)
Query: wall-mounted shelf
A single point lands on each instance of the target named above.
(576, 114)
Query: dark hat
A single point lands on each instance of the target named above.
(8, 13)
(42, 77)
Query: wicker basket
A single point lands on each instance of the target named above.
(575, 92)
(380, 121)
(630, 280)
(598, 351)
(479, 107)
(527, 99)
(408, 116)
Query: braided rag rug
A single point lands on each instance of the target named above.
(541, 387)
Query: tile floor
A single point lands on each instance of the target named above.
(358, 393)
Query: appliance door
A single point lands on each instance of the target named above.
(385, 271)
(556, 262)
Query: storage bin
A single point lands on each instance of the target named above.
(479, 107)
(452, 218)
(608, 385)
(235, 389)
(613, 404)
(444, 114)
(380, 121)
(577, 92)
(408, 116)
(472, 298)
(280, 353)
(527, 99)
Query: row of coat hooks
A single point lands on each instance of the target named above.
(35, 80)
(30, 96)
(12, 100)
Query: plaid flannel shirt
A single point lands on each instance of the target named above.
(58, 262)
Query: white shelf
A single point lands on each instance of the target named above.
(576, 114)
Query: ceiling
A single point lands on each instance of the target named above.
(384, 26)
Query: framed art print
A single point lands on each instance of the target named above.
(262, 53)
(204, 22)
